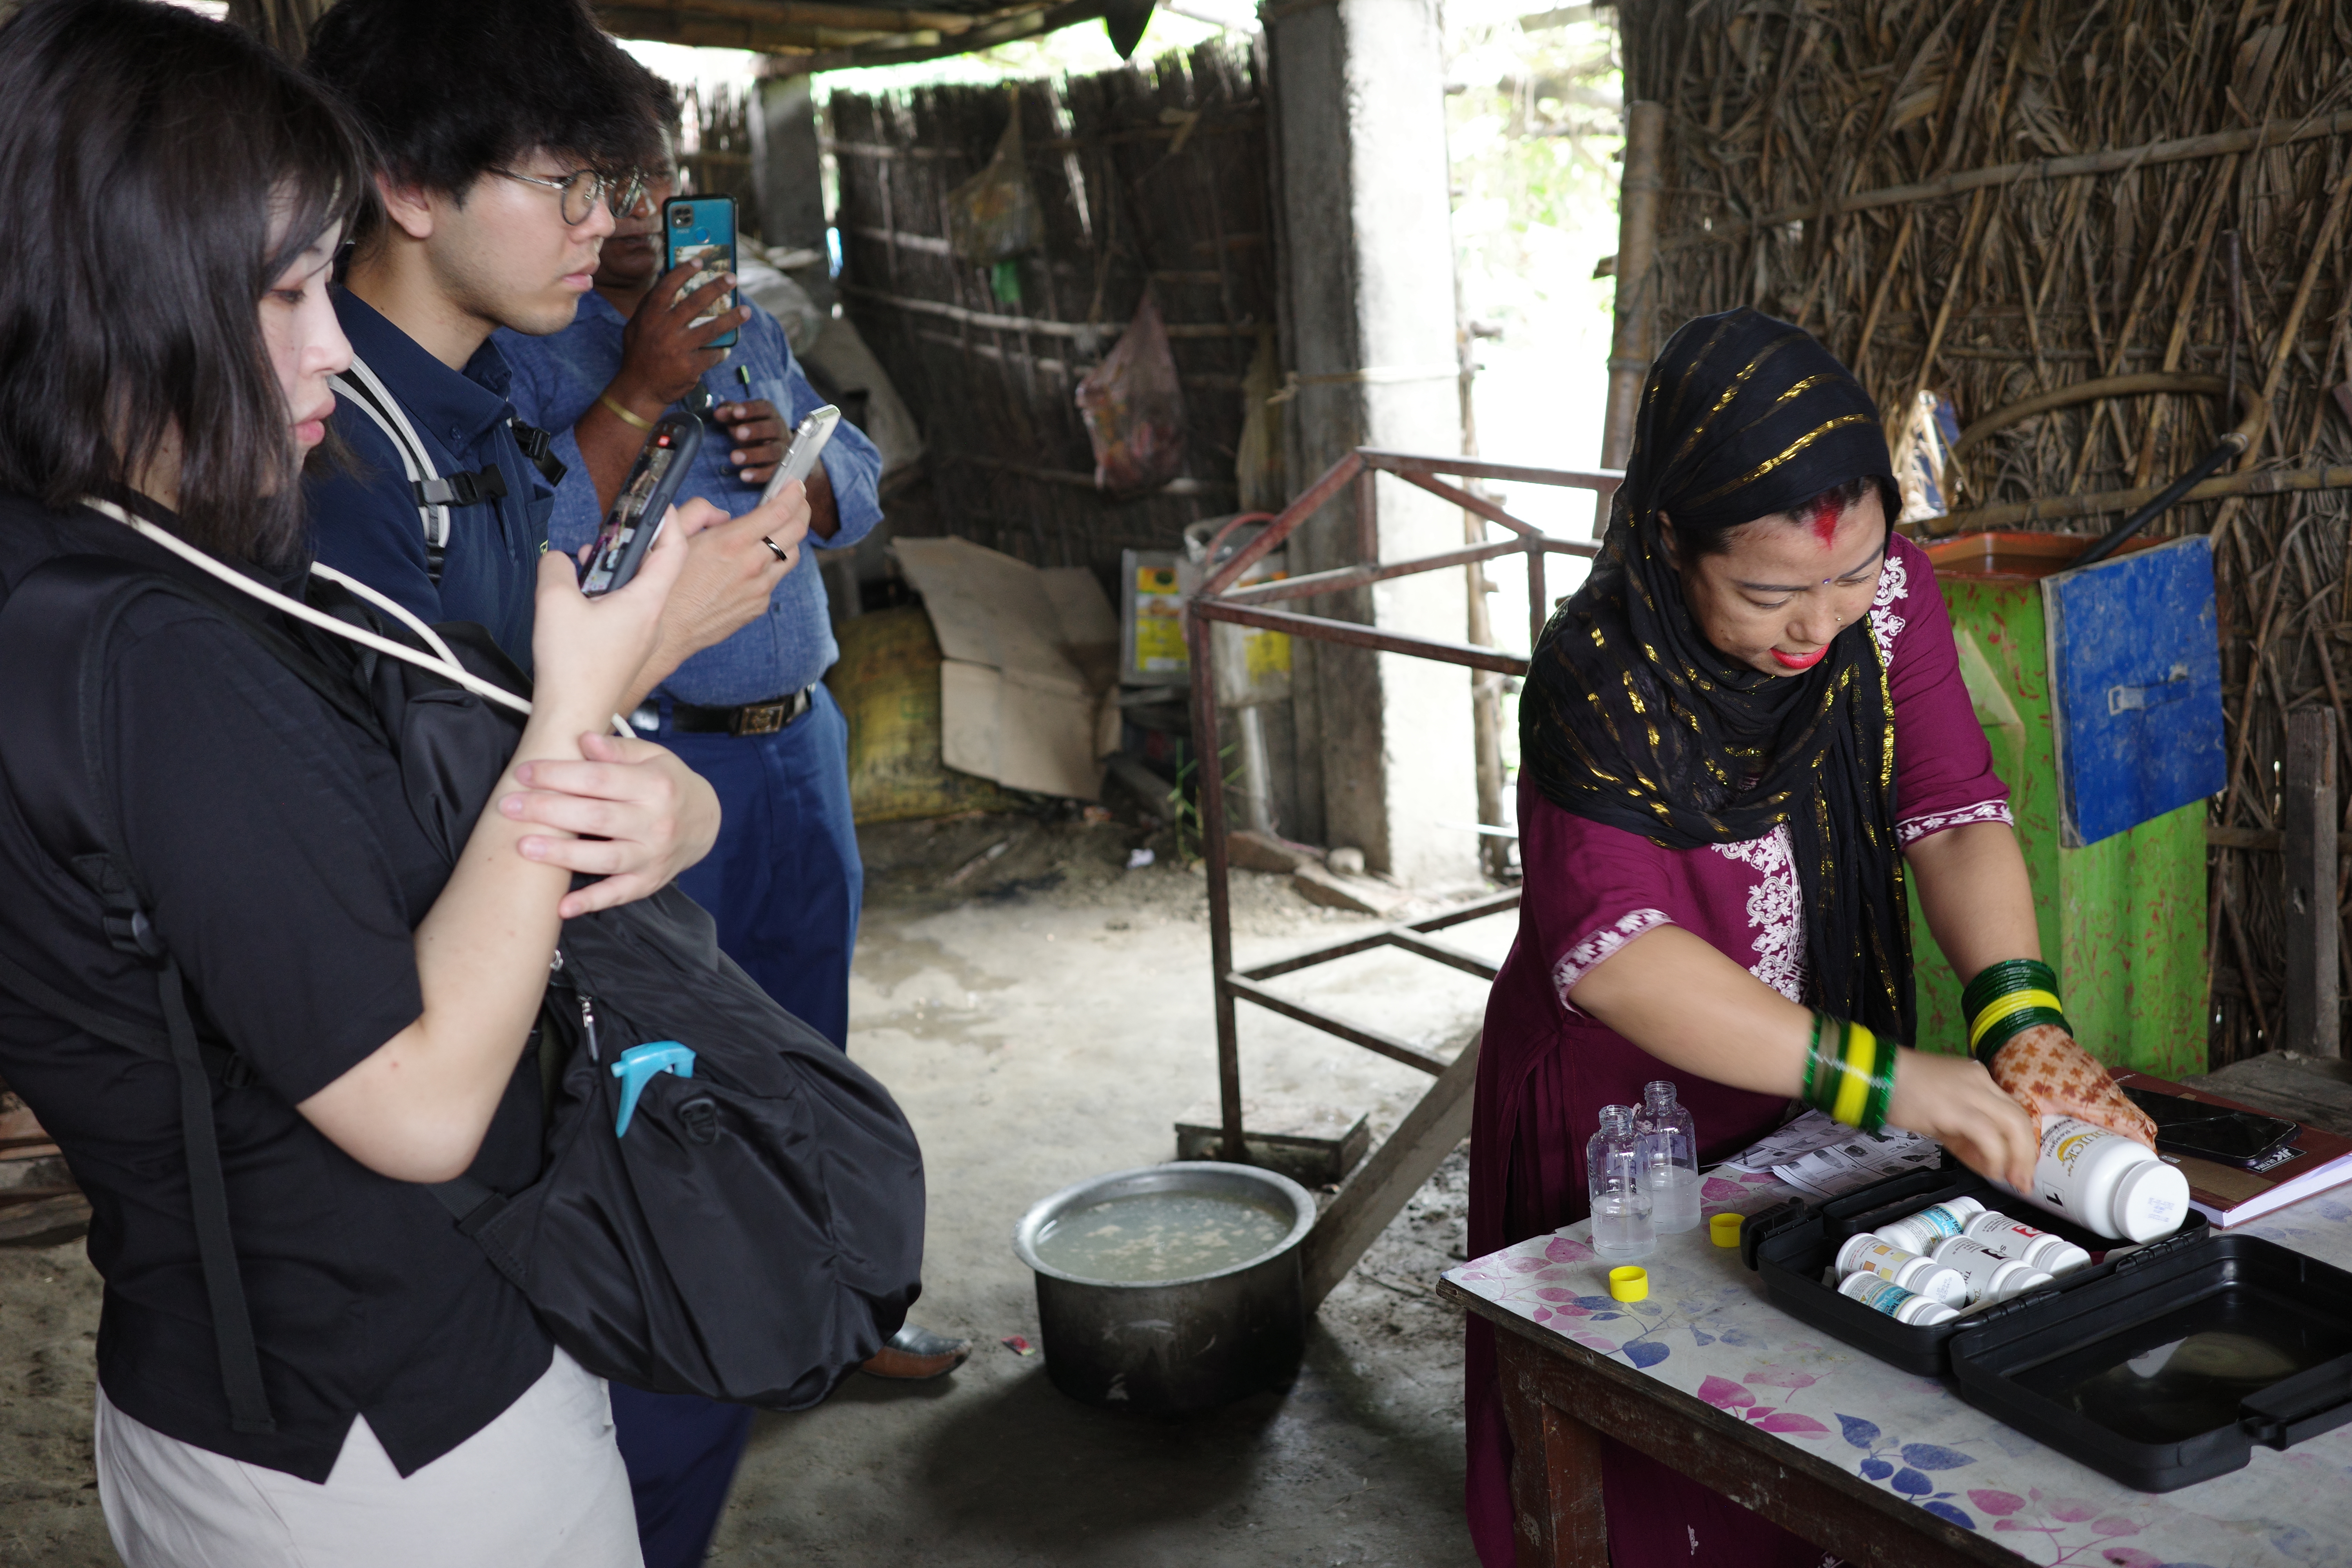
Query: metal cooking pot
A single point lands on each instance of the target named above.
(1173, 1345)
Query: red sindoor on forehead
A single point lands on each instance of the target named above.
(1826, 513)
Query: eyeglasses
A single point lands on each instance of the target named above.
(582, 189)
(624, 197)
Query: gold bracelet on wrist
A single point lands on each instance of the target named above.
(621, 414)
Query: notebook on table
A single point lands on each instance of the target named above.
(2314, 1161)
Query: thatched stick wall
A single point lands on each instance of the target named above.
(1148, 177)
(1999, 199)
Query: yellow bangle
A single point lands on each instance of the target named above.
(1853, 1089)
(621, 414)
(2000, 1007)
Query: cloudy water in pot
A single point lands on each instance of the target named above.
(1150, 1236)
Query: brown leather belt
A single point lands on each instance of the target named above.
(750, 719)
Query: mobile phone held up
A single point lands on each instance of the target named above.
(808, 445)
(2214, 1132)
(635, 520)
(702, 229)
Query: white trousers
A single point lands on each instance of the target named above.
(541, 1485)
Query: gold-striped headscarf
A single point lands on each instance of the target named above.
(1632, 719)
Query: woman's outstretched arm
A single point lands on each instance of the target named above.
(417, 1108)
(1680, 999)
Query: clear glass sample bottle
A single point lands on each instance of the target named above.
(1669, 1158)
(1621, 1226)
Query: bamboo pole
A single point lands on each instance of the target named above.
(1631, 350)
(2248, 482)
(2277, 133)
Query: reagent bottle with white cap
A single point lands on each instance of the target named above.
(2107, 1182)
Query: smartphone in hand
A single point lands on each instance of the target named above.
(635, 520)
(808, 445)
(702, 229)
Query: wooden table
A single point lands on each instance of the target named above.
(1874, 1464)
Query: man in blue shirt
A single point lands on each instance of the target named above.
(491, 210)
(752, 715)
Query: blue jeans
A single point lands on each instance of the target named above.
(783, 882)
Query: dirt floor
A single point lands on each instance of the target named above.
(1043, 1017)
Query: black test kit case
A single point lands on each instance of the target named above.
(2159, 1367)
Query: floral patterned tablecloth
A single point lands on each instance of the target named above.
(1708, 1331)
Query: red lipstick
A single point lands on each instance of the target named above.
(1801, 661)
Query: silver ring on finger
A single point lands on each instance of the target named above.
(776, 550)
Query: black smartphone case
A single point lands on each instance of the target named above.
(687, 431)
(1986, 1355)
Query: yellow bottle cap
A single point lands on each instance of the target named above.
(1725, 1229)
(1629, 1284)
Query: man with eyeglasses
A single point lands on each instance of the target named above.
(499, 126)
(752, 715)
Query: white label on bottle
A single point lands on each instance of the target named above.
(1881, 1295)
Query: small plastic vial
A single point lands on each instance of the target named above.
(1669, 1138)
(1921, 1232)
(2107, 1182)
(1887, 1297)
(2039, 1249)
(1623, 1230)
(1921, 1276)
(1990, 1275)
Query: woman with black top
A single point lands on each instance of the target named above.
(175, 195)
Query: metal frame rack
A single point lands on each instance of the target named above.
(1382, 1184)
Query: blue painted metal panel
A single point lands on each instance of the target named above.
(2136, 687)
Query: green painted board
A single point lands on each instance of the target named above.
(2122, 921)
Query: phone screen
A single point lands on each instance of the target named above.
(702, 229)
(2193, 1127)
(635, 520)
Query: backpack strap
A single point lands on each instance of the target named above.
(435, 493)
(364, 387)
(64, 612)
(540, 447)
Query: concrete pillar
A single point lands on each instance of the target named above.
(1365, 247)
(787, 171)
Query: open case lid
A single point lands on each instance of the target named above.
(2169, 1369)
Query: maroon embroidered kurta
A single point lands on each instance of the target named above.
(1546, 1070)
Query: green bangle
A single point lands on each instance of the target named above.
(1882, 1088)
(2016, 1024)
(2008, 998)
(2005, 978)
(1825, 1069)
(1812, 1058)
(2000, 979)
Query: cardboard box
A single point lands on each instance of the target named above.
(1030, 659)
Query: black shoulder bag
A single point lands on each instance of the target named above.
(756, 1231)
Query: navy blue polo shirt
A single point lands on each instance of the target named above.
(363, 516)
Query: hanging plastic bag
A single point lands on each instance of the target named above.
(1134, 408)
(993, 217)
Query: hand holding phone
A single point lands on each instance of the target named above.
(808, 445)
(642, 505)
(702, 229)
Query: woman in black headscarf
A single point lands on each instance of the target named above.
(1738, 738)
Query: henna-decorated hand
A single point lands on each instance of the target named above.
(2046, 1072)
